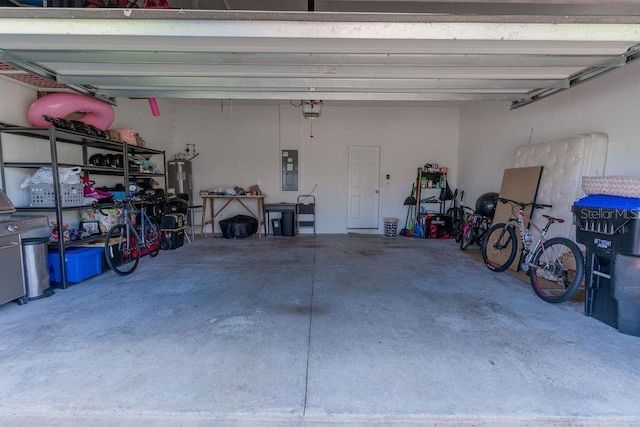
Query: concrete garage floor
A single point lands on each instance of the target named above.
(326, 330)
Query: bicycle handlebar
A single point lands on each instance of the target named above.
(524, 205)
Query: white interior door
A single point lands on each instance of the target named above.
(364, 188)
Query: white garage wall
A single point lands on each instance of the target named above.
(490, 132)
(156, 131)
(15, 99)
(241, 145)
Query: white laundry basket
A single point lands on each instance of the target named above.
(390, 227)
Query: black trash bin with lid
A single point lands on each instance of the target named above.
(36, 267)
(275, 226)
(627, 293)
(288, 223)
(609, 227)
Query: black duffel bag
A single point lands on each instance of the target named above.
(238, 226)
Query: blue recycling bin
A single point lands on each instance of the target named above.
(609, 227)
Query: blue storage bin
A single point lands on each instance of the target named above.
(80, 264)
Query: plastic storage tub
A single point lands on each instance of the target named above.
(172, 221)
(43, 195)
(172, 239)
(80, 264)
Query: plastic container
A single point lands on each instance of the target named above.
(80, 264)
(172, 221)
(626, 291)
(43, 196)
(609, 228)
(608, 224)
(288, 227)
(172, 239)
(390, 227)
(275, 226)
(36, 269)
(438, 226)
(133, 189)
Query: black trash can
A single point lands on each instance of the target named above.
(627, 294)
(609, 227)
(288, 224)
(275, 226)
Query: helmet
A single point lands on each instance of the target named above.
(486, 204)
(108, 160)
(97, 160)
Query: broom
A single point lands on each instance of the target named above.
(411, 203)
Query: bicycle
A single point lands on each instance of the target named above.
(555, 266)
(124, 241)
(474, 229)
(458, 216)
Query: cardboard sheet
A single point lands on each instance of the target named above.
(520, 184)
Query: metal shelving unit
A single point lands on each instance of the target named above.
(426, 191)
(55, 137)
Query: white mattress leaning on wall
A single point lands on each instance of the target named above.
(565, 161)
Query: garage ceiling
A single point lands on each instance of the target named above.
(380, 51)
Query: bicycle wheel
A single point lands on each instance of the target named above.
(499, 247)
(152, 237)
(121, 249)
(457, 235)
(481, 230)
(456, 223)
(468, 236)
(557, 270)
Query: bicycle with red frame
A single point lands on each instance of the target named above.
(474, 228)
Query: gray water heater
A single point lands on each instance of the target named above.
(181, 178)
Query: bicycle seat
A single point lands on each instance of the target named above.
(553, 219)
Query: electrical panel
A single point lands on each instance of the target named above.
(289, 170)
